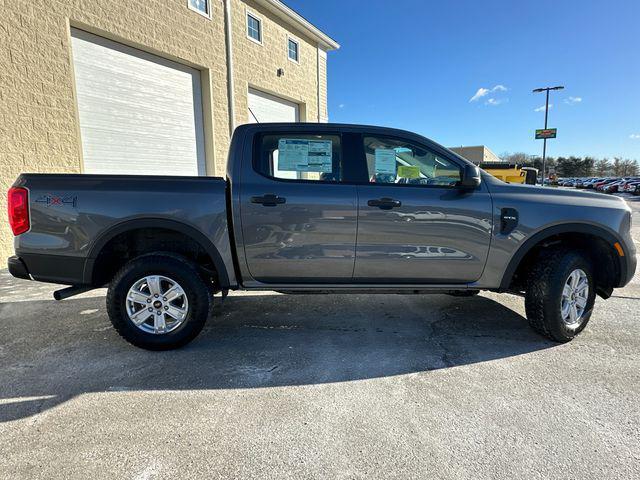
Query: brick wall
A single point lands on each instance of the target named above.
(39, 131)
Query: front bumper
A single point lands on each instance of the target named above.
(17, 268)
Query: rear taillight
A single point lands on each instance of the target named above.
(18, 202)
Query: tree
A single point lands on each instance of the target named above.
(603, 167)
(587, 166)
(617, 167)
(520, 158)
(577, 166)
(628, 167)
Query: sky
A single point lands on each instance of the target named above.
(461, 72)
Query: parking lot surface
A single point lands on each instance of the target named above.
(320, 386)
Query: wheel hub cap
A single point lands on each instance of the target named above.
(575, 295)
(157, 304)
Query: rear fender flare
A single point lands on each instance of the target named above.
(138, 223)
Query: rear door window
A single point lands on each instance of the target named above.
(302, 157)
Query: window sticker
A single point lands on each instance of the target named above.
(298, 155)
(385, 161)
(408, 171)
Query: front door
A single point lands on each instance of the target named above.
(415, 225)
(299, 219)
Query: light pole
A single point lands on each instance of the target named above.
(546, 117)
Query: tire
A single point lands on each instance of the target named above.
(545, 290)
(172, 322)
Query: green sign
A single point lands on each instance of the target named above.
(546, 133)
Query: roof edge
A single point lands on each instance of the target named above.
(294, 18)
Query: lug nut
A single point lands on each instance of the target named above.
(166, 308)
(156, 295)
(150, 309)
(164, 299)
(148, 300)
(159, 312)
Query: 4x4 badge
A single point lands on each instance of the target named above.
(56, 200)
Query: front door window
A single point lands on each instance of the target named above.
(392, 161)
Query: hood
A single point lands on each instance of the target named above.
(555, 195)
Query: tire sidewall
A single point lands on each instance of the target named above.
(557, 327)
(176, 268)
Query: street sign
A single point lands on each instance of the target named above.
(542, 133)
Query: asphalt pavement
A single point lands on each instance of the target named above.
(320, 386)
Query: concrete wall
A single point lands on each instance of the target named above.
(39, 130)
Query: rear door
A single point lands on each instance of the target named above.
(415, 225)
(298, 214)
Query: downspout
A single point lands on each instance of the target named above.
(231, 96)
(318, 82)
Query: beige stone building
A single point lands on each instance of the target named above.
(478, 154)
(153, 87)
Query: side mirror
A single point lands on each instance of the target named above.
(470, 178)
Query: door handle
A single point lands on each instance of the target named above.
(385, 203)
(269, 200)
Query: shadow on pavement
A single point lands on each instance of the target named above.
(51, 352)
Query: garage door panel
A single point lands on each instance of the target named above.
(139, 114)
(266, 108)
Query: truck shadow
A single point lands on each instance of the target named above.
(52, 352)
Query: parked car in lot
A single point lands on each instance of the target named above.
(592, 182)
(612, 187)
(582, 182)
(600, 185)
(311, 208)
(632, 187)
(625, 186)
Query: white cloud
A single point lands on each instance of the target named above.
(483, 92)
(572, 100)
(635, 136)
(479, 94)
(541, 109)
(341, 105)
(496, 101)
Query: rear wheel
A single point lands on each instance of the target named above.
(560, 295)
(159, 301)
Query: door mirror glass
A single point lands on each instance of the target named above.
(470, 177)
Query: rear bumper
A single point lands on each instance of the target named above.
(17, 268)
(47, 268)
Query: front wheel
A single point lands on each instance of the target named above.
(560, 294)
(159, 301)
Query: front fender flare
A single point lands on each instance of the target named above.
(590, 229)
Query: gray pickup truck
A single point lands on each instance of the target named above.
(310, 208)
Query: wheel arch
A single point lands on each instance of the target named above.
(160, 223)
(538, 239)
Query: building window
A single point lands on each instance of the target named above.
(294, 50)
(200, 6)
(254, 28)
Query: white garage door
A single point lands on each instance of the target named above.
(139, 113)
(265, 108)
